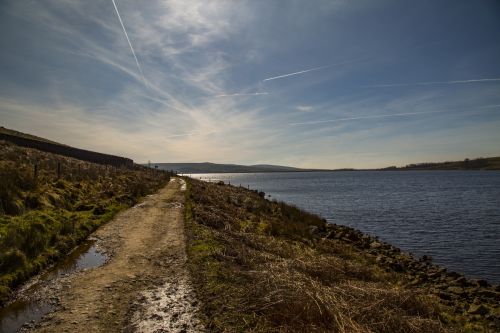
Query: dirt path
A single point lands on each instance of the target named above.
(145, 286)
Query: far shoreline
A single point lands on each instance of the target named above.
(336, 170)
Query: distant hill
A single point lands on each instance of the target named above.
(207, 167)
(488, 163)
(35, 142)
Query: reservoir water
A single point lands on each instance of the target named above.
(454, 216)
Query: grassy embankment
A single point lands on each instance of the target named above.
(44, 217)
(482, 163)
(265, 266)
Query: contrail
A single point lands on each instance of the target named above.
(382, 116)
(429, 83)
(178, 135)
(129, 43)
(238, 94)
(315, 69)
(363, 117)
(189, 134)
(295, 73)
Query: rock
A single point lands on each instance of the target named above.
(482, 283)
(313, 230)
(446, 296)
(478, 283)
(440, 286)
(456, 290)
(454, 275)
(478, 309)
(375, 245)
(426, 258)
(461, 281)
(434, 275)
(396, 266)
(489, 294)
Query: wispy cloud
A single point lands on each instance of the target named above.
(180, 135)
(362, 117)
(381, 116)
(296, 73)
(305, 108)
(190, 134)
(430, 83)
(203, 67)
(129, 43)
(243, 94)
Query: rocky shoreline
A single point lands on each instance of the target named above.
(475, 299)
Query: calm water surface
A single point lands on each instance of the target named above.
(454, 216)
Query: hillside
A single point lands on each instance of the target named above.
(206, 167)
(487, 163)
(49, 203)
(15, 133)
(31, 141)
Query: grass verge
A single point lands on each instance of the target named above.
(259, 266)
(44, 216)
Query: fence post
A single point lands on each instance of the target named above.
(35, 171)
(58, 170)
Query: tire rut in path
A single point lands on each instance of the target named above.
(145, 285)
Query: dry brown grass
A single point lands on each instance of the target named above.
(258, 268)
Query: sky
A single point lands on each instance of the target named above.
(317, 84)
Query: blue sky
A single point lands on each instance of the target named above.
(372, 84)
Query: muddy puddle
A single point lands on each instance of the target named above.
(30, 305)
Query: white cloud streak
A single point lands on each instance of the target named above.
(243, 94)
(380, 116)
(296, 73)
(129, 43)
(315, 69)
(430, 83)
(305, 108)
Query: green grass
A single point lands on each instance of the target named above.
(31, 241)
(43, 218)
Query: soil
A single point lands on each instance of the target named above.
(144, 287)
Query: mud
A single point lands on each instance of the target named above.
(144, 286)
(30, 303)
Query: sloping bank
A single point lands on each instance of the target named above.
(265, 266)
(45, 211)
